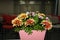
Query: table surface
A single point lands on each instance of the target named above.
(56, 26)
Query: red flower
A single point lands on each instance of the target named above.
(48, 24)
(29, 22)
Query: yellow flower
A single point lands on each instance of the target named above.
(23, 16)
(17, 22)
(41, 14)
(29, 22)
(48, 24)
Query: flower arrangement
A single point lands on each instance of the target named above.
(31, 21)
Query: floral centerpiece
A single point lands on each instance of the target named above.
(31, 21)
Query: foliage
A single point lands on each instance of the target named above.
(31, 21)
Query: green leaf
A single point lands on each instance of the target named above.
(16, 29)
(28, 30)
(36, 27)
(41, 28)
(36, 18)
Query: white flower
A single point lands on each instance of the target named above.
(33, 13)
(47, 18)
(41, 17)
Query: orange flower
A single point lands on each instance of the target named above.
(48, 24)
(29, 22)
(23, 16)
(17, 22)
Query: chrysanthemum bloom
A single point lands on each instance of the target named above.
(29, 22)
(41, 15)
(23, 16)
(17, 22)
(48, 24)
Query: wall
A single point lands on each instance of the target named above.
(7, 6)
(59, 8)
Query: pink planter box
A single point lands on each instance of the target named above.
(36, 35)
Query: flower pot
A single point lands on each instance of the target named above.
(36, 35)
